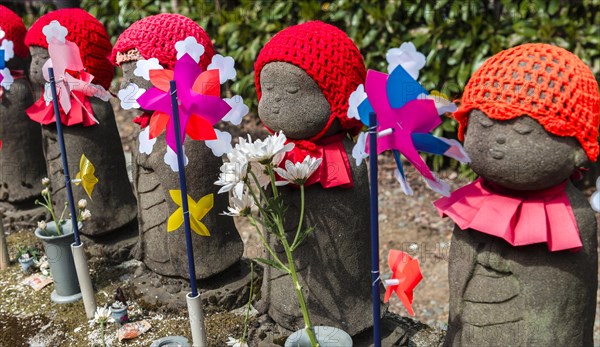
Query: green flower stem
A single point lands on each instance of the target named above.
(266, 244)
(294, 244)
(271, 173)
(243, 339)
(308, 325)
(102, 331)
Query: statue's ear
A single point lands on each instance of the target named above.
(579, 157)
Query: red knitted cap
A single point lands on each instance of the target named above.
(155, 37)
(14, 30)
(327, 55)
(87, 33)
(544, 82)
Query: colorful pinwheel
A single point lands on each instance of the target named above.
(73, 85)
(6, 76)
(200, 104)
(197, 211)
(406, 275)
(86, 176)
(406, 116)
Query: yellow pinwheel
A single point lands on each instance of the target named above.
(85, 176)
(197, 211)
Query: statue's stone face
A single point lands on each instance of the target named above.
(39, 56)
(291, 101)
(129, 77)
(518, 153)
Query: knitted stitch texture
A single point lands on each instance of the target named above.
(327, 55)
(155, 37)
(544, 82)
(87, 33)
(14, 30)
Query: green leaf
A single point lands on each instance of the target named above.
(272, 264)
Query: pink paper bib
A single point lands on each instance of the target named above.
(520, 218)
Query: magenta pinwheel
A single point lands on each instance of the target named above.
(200, 104)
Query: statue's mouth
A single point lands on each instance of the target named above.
(497, 154)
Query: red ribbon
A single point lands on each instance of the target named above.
(80, 111)
(334, 170)
(519, 217)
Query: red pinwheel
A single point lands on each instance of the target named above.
(406, 275)
(200, 104)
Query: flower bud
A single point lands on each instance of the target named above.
(45, 181)
(82, 204)
(42, 225)
(45, 191)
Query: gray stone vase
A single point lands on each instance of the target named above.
(62, 267)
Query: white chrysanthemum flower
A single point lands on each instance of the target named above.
(143, 67)
(232, 174)
(406, 56)
(42, 225)
(190, 46)
(86, 214)
(102, 315)
(271, 150)
(236, 342)
(298, 173)
(241, 203)
(45, 181)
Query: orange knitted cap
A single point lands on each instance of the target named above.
(544, 82)
(87, 33)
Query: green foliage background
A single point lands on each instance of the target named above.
(456, 36)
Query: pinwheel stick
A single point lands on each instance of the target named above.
(374, 229)
(81, 264)
(63, 153)
(193, 299)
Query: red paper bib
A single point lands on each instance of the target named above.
(334, 170)
(520, 218)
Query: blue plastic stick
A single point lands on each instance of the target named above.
(183, 188)
(374, 229)
(63, 154)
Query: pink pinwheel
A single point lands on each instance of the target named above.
(406, 275)
(200, 104)
(73, 86)
(406, 116)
